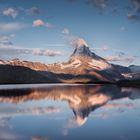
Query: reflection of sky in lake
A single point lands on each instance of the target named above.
(70, 112)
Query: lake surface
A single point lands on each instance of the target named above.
(69, 112)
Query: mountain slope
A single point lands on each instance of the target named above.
(122, 69)
(32, 65)
(134, 68)
(84, 62)
(19, 75)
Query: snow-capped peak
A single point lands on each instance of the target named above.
(80, 43)
(82, 51)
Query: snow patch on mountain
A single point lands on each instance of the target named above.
(1, 62)
(99, 65)
(80, 42)
(75, 64)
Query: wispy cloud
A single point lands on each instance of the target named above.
(10, 12)
(12, 26)
(104, 48)
(66, 31)
(119, 105)
(5, 40)
(8, 135)
(136, 4)
(101, 4)
(13, 50)
(30, 11)
(40, 23)
(34, 11)
(128, 59)
(46, 52)
(73, 40)
(115, 11)
(8, 48)
(133, 17)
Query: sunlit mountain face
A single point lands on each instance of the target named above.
(66, 110)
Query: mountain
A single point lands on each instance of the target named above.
(32, 65)
(19, 75)
(86, 66)
(134, 74)
(82, 51)
(134, 68)
(122, 69)
(83, 66)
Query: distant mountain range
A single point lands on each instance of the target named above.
(83, 66)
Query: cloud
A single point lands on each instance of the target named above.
(66, 31)
(13, 26)
(121, 53)
(48, 25)
(132, 17)
(34, 11)
(115, 11)
(15, 112)
(55, 45)
(10, 12)
(128, 59)
(8, 135)
(40, 23)
(136, 4)
(73, 40)
(5, 40)
(7, 47)
(101, 4)
(31, 11)
(15, 50)
(104, 48)
(117, 105)
(45, 52)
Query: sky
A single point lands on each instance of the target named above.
(43, 30)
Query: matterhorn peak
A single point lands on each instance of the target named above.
(81, 49)
(80, 43)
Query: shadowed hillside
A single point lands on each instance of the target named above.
(18, 75)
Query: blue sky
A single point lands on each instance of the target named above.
(42, 30)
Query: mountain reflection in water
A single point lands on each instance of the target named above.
(81, 99)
